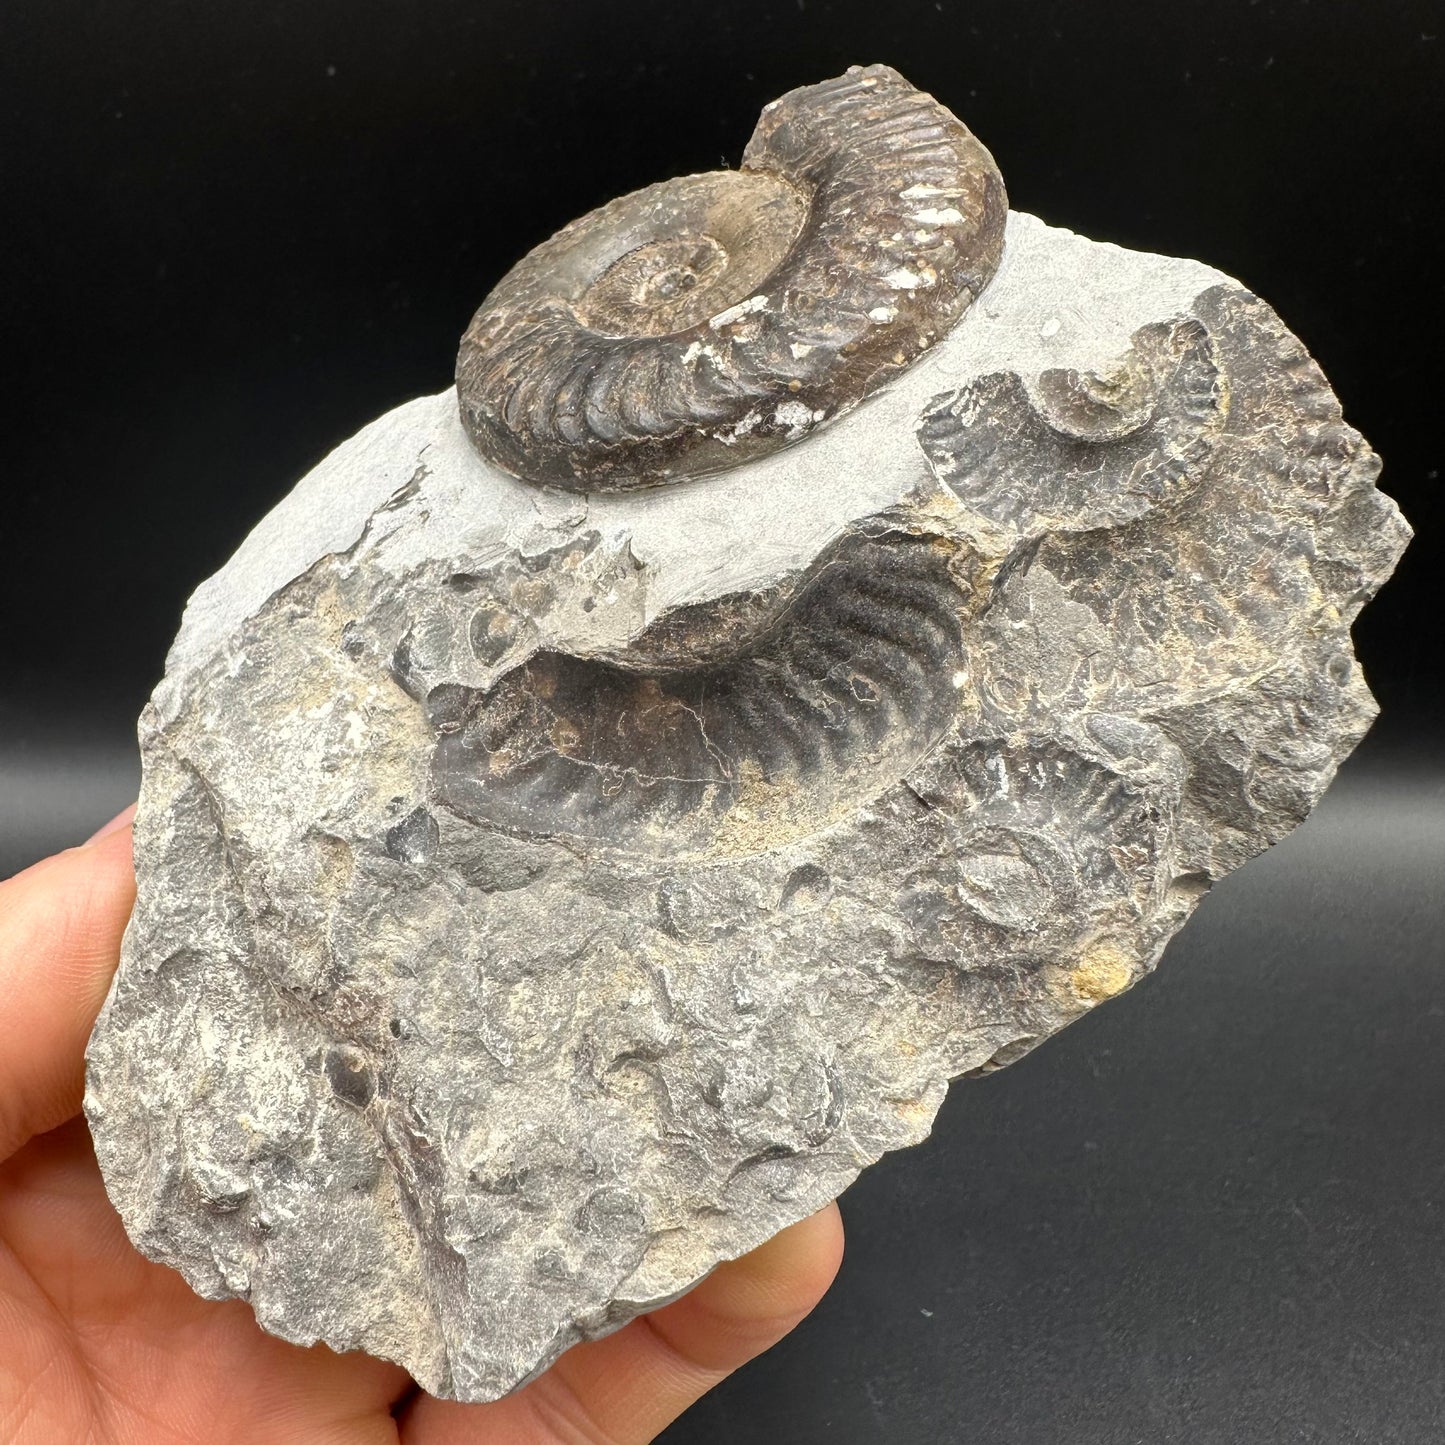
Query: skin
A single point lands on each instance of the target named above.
(98, 1344)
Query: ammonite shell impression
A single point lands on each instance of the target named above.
(707, 320)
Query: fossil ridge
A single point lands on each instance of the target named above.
(544, 896)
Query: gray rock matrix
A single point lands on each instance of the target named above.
(543, 897)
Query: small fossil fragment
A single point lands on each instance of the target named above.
(1070, 452)
(542, 898)
(710, 319)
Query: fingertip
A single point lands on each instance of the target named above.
(748, 1304)
(123, 819)
(625, 1388)
(798, 1263)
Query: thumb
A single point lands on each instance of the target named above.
(60, 928)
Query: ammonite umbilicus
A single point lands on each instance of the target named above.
(707, 320)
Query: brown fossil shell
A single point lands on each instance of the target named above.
(856, 678)
(708, 320)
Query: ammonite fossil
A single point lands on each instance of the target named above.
(544, 897)
(852, 679)
(1074, 451)
(703, 321)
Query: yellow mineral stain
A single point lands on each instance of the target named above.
(914, 1112)
(1104, 970)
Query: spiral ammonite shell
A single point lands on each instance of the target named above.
(855, 678)
(1073, 452)
(708, 320)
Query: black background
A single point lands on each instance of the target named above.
(234, 233)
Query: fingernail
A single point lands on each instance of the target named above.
(121, 820)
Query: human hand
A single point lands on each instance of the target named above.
(99, 1344)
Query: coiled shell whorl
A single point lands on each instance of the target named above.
(708, 320)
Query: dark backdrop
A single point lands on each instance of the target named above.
(233, 233)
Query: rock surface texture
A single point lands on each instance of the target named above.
(544, 896)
